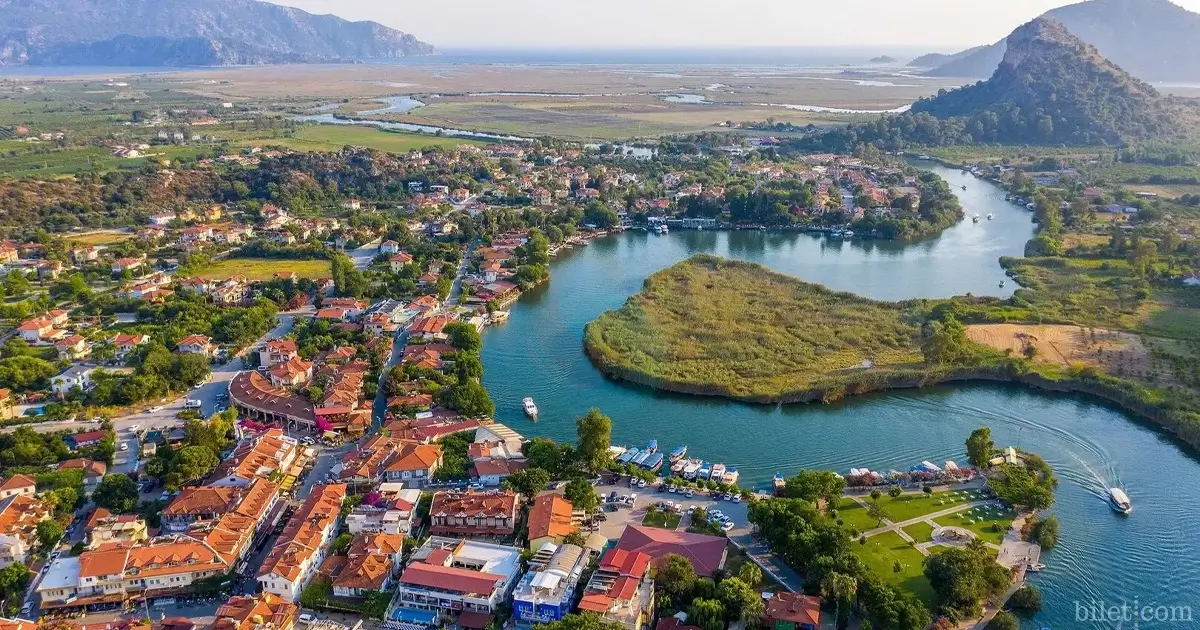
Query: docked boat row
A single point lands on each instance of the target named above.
(674, 463)
(699, 469)
(925, 472)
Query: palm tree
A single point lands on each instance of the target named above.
(836, 586)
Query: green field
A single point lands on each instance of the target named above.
(881, 553)
(909, 506)
(853, 514)
(713, 326)
(920, 532)
(334, 137)
(661, 520)
(983, 522)
(100, 238)
(257, 269)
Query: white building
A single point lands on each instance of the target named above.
(301, 548)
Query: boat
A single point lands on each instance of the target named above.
(718, 472)
(641, 458)
(836, 233)
(705, 471)
(1119, 501)
(627, 456)
(1001, 284)
(975, 219)
(678, 453)
(848, 234)
(652, 446)
(778, 484)
(677, 467)
(990, 215)
(964, 186)
(693, 467)
(531, 409)
(731, 476)
(653, 463)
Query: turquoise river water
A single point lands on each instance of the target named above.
(1151, 557)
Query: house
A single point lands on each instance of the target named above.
(474, 513)
(398, 261)
(291, 373)
(351, 204)
(707, 553)
(76, 441)
(73, 348)
(414, 465)
(18, 484)
(492, 472)
(678, 621)
(431, 327)
(104, 527)
(338, 314)
(195, 344)
(19, 516)
(6, 404)
(451, 579)
(121, 265)
(301, 548)
(34, 330)
(389, 247)
(354, 308)
(793, 611)
(551, 518)
(259, 612)
(393, 515)
(263, 456)
(126, 343)
(93, 471)
(374, 561)
(77, 376)
(621, 590)
(547, 589)
(199, 504)
(162, 218)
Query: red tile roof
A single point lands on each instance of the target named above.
(794, 608)
(630, 563)
(707, 553)
(450, 578)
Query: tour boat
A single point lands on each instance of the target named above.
(652, 446)
(778, 483)
(693, 467)
(678, 466)
(718, 472)
(705, 471)
(731, 476)
(653, 463)
(848, 234)
(678, 453)
(530, 408)
(1119, 501)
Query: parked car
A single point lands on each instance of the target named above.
(728, 525)
(306, 618)
(737, 498)
(124, 446)
(612, 497)
(641, 483)
(690, 493)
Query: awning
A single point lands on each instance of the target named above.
(474, 620)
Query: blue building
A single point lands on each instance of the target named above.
(545, 592)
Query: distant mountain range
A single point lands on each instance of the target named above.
(188, 33)
(1155, 40)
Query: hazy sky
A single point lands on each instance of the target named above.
(934, 24)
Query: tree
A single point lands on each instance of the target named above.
(877, 511)
(980, 447)
(547, 455)
(595, 438)
(707, 614)
(341, 544)
(811, 485)
(191, 463)
(1004, 620)
(464, 336)
(676, 577)
(528, 482)
(581, 494)
(49, 533)
(838, 586)
(962, 577)
(1045, 532)
(740, 600)
(14, 580)
(16, 283)
(895, 492)
(1026, 600)
(750, 574)
(583, 621)
(116, 493)
(576, 538)
(946, 341)
(471, 400)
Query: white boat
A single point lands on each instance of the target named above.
(975, 219)
(663, 229)
(990, 215)
(1119, 501)
(848, 234)
(530, 408)
(689, 471)
(718, 472)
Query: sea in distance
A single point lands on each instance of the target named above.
(1152, 556)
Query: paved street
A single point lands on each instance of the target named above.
(648, 496)
(363, 256)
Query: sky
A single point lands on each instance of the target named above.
(936, 25)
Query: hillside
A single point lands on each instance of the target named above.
(1154, 40)
(186, 33)
(937, 60)
(1053, 88)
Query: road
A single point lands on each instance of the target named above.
(456, 288)
(166, 414)
(363, 256)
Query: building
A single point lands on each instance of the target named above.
(18, 484)
(474, 513)
(551, 519)
(547, 590)
(93, 471)
(195, 344)
(301, 548)
(392, 459)
(37, 329)
(449, 579)
(707, 553)
(7, 410)
(104, 527)
(793, 611)
(491, 472)
(19, 516)
(390, 247)
(393, 515)
(198, 504)
(254, 396)
(278, 351)
(620, 590)
(370, 565)
(399, 260)
(261, 612)
(126, 343)
(262, 456)
(291, 373)
(76, 441)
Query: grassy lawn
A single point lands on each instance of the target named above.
(909, 506)
(983, 521)
(100, 238)
(736, 329)
(881, 554)
(920, 532)
(264, 268)
(661, 520)
(334, 137)
(854, 515)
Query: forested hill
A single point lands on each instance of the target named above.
(1050, 88)
(1154, 40)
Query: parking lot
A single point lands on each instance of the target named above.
(625, 515)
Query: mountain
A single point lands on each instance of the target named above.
(187, 33)
(936, 60)
(1155, 40)
(1051, 88)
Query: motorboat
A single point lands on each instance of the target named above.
(718, 472)
(778, 484)
(848, 234)
(1119, 501)
(693, 467)
(731, 476)
(678, 453)
(990, 215)
(652, 446)
(531, 409)
(975, 219)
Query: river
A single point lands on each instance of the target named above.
(1152, 555)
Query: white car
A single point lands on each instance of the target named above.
(306, 618)
(728, 525)
(124, 446)
(135, 428)
(690, 493)
(641, 483)
(156, 409)
(737, 498)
